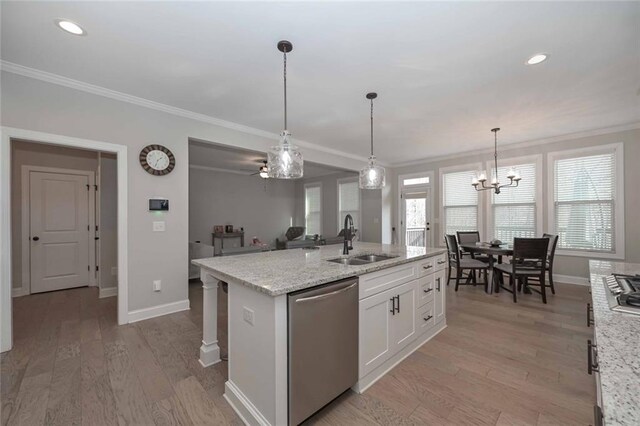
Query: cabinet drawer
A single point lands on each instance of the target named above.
(426, 266)
(440, 262)
(426, 289)
(384, 279)
(425, 317)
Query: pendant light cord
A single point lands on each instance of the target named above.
(372, 127)
(285, 89)
(495, 151)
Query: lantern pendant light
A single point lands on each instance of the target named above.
(285, 160)
(373, 175)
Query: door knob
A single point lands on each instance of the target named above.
(36, 238)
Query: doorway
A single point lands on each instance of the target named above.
(415, 222)
(11, 264)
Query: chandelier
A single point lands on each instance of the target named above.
(285, 160)
(372, 176)
(479, 180)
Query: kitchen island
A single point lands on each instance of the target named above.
(616, 348)
(259, 285)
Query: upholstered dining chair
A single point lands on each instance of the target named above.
(529, 263)
(461, 264)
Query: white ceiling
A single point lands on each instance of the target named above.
(241, 161)
(446, 73)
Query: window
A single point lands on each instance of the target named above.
(587, 200)
(313, 209)
(459, 201)
(416, 181)
(514, 210)
(348, 202)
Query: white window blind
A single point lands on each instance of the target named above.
(313, 209)
(460, 202)
(584, 202)
(348, 203)
(514, 209)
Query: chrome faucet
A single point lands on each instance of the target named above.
(348, 229)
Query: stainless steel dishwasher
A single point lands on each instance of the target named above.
(323, 346)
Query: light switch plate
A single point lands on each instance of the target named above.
(157, 285)
(247, 315)
(158, 226)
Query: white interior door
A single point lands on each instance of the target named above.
(416, 218)
(59, 231)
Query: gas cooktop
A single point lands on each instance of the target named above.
(624, 293)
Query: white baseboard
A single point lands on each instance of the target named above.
(156, 311)
(245, 409)
(108, 292)
(570, 279)
(19, 292)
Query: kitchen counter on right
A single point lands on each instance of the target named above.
(617, 336)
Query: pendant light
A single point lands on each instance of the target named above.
(513, 176)
(373, 175)
(285, 160)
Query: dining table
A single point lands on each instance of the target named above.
(493, 252)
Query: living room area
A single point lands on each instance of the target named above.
(234, 208)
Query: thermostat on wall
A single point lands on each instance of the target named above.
(158, 204)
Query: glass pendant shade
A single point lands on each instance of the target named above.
(285, 160)
(372, 176)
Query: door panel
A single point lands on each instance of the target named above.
(59, 221)
(375, 329)
(404, 321)
(416, 217)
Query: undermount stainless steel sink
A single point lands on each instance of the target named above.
(371, 258)
(362, 260)
(349, 261)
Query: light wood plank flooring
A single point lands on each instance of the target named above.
(496, 364)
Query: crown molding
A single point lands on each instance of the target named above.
(566, 137)
(146, 103)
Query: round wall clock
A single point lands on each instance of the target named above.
(157, 160)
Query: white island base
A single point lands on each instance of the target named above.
(257, 367)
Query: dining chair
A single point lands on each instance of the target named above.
(471, 237)
(461, 264)
(529, 261)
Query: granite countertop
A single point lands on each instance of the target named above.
(618, 339)
(283, 271)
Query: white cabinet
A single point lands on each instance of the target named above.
(375, 330)
(403, 320)
(440, 278)
(387, 324)
(400, 309)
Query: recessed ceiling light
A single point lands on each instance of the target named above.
(536, 59)
(70, 27)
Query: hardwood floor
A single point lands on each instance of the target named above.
(497, 363)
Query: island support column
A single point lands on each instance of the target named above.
(209, 351)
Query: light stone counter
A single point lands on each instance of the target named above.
(283, 271)
(618, 339)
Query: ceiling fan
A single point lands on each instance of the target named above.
(263, 171)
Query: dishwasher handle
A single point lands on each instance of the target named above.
(327, 295)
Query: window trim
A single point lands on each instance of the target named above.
(312, 185)
(619, 206)
(340, 225)
(481, 200)
(502, 162)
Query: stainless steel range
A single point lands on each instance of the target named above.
(624, 293)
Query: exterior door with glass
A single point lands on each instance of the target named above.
(415, 223)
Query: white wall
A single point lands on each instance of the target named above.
(565, 265)
(263, 207)
(108, 227)
(38, 105)
(34, 154)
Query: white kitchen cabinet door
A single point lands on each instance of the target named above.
(375, 330)
(440, 295)
(403, 321)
